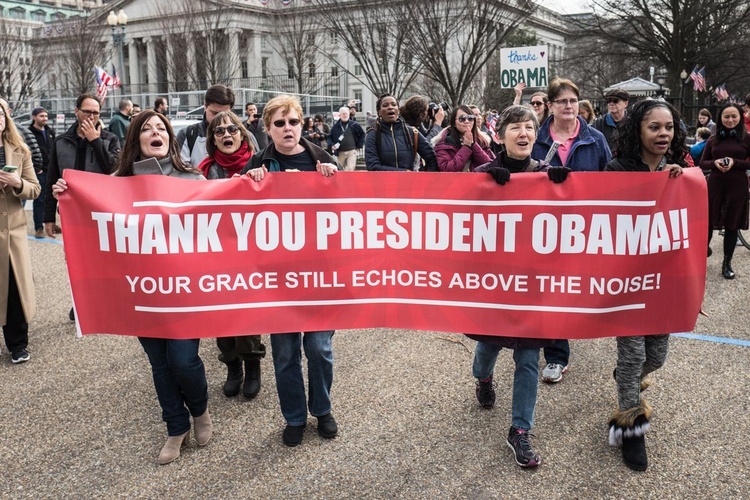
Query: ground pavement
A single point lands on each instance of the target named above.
(81, 420)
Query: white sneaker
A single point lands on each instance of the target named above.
(553, 373)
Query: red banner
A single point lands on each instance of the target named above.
(601, 254)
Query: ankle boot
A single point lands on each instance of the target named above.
(726, 268)
(634, 452)
(251, 387)
(204, 428)
(234, 378)
(171, 449)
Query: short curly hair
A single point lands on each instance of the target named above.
(413, 109)
(628, 143)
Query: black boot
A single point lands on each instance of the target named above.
(634, 452)
(726, 268)
(234, 378)
(251, 387)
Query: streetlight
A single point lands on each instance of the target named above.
(661, 79)
(118, 22)
(683, 77)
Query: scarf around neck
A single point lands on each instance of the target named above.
(231, 163)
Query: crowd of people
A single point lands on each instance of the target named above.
(556, 133)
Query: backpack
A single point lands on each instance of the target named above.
(191, 135)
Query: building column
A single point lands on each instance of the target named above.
(234, 70)
(169, 69)
(191, 72)
(151, 63)
(135, 78)
(253, 54)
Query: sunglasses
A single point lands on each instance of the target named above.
(613, 101)
(232, 129)
(537, 103)
(466, 118)
(293, 122)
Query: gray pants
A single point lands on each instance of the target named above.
(636, 358)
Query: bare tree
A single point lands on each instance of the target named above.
(22, 63)
(454, 39)
(677, 34)
(374, 34)
(494, 96)
(76, 48)
(294, 35)
(194, 51)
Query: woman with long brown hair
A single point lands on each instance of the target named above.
(462, 146)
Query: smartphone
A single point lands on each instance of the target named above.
(10, 168)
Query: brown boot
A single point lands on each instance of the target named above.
(171, 449)
(204, 428)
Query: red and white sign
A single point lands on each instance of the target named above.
(601, 254)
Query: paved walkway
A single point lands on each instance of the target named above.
(80, 420)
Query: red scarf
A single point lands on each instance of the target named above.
(231, 163)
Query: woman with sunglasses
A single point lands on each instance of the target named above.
(461, 147)
(538, 102)
(392, 145)
(287, 152)
(178, 371)
(229, 148)
(566, 140)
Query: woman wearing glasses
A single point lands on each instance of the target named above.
(461, 147)
(538, 102)
(229, 148)
(566, 140)
(287, 152)
(177, 369)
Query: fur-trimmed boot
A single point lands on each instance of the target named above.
(628, 428)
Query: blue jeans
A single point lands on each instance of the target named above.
(525, 379)
(39, 202)
(179, 380)
(287, 364)
(558, 353)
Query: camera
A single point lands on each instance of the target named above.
(258, 115)
(433, 108)
(725, 162)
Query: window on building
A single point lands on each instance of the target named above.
(263, 42)
(243, 69)
(358, 95)
(334, 70)
(264, 67)
(357, 70)
(17, 13)
(39, 15)
(290, 72)
(333, 37)
(311, 70)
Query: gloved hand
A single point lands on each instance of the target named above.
(558, 174)
(500, 174)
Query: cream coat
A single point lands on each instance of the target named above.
(13, 241)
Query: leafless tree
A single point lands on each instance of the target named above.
(454, 39)
(676, 35)
(76, 48)
(22, 65)
(494, 96)
(193, 51)
(295, 35)
(374, 34)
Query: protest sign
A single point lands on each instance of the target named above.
(601, 254)
(527, 65)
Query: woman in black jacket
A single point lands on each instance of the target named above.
(650, 140)
(390, 143)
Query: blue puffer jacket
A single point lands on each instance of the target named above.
(590, 151)
(396, 148)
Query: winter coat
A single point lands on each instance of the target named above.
(338, 130)
(452, 157)
(44, 146)
(118, 125)
(14, 247)
(267, 157)
(607, 126)
(396, 149)
(589, 152)
(727, 192)
(100, 158)
(258, 131)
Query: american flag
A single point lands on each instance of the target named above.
(721, 92)
(699, 78)
(115, 79)
(102, 81)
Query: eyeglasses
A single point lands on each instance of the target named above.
(566, 102)
(89, 112)
(613, 101)
(232, 129)
(466, 118)
(537, 103)
(293, 122)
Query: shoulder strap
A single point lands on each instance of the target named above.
(415, 140)
(192, 136)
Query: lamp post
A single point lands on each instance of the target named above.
(661, 79)
(683, 77)
(118, 22)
